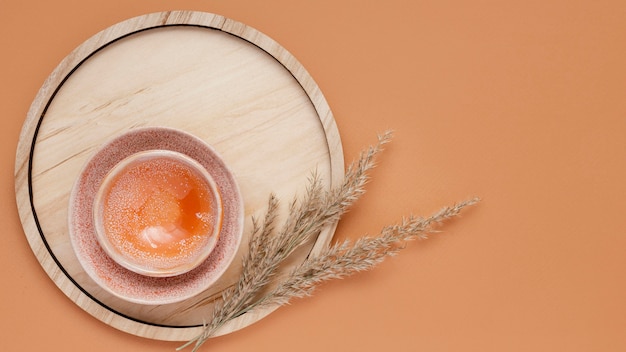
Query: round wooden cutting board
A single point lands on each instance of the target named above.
(220, 80)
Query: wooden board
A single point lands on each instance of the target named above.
(218, 79)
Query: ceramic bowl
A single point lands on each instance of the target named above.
(158, 213)
(118, 280)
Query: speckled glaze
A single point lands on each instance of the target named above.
(187, 249)
(122, 282)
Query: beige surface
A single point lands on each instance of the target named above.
(518, 102)
(197, 72)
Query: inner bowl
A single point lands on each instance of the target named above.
(158, 213)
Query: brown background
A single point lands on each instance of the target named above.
(519, 102)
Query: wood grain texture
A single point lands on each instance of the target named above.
(218, 79)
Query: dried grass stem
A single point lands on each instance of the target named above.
(269, 246)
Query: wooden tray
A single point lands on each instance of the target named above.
(218, 79)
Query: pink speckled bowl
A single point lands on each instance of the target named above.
(150, 189)
(120, 281)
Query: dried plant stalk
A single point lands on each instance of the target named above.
(347, 258)
(269, 248)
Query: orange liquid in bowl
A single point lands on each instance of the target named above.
(160, 216)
